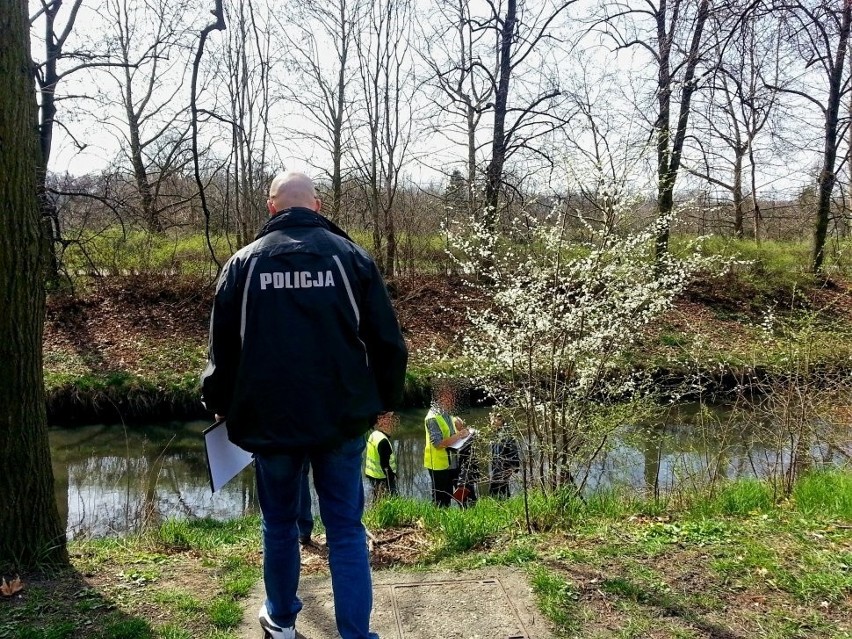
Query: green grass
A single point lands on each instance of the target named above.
(61, 630)
(703, 518)
(695, 533)
(171, 631)
(129, 629)
(824, 494)
(735, 498)
(140, 570)
(768, 264)
(178, 601)
(136, 251)
(239, 576)
(556, 598)
(140, 252)
(788, 261)
(225, 612)
(603, 568)
(454, 530)
(818, 575)
(208, 534)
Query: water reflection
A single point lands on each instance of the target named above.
(111, 480)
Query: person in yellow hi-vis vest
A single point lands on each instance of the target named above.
(442, 431)
(381, 460)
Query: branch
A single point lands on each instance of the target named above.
(801, 94)
(709, 178)
(530, 108)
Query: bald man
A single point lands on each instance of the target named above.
(305, 351)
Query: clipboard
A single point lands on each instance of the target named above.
(225, 460)
(464, 441)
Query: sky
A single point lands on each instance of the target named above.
(615, 83)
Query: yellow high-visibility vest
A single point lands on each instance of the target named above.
(436, 458)
(374, 466)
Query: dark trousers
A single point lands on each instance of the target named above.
(499, 489)
(382, 487)
(306, 517)
(443, 485)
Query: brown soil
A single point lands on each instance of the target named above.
(118, 321)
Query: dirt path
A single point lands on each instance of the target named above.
(493, 603)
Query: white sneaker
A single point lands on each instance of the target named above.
(271, 630)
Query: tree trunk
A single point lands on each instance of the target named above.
(739, 204)
(472, 212)
(668, 159)
(756, 215)
(827, 176)
(665, 183)
(47, 94)
(494, 172)
(338, 121)
(140, 173)
(29, 517)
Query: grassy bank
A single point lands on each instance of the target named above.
(732, 564)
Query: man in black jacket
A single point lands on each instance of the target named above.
(305, 351)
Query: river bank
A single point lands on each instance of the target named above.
(739, 561)
(131, 349)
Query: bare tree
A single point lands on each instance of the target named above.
(607, 141)
(519, 119)
(246, 59)
(738, 106)
(387, 80)
(29, 517)
(58, 62)
(672, 33)
(819, 31)
(155, 130)
(218, 24)
(320, 38)
(456, 52)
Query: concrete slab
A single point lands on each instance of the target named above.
(495, 603)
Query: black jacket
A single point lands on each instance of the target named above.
(304, 348)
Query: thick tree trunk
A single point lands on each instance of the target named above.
(29, 518)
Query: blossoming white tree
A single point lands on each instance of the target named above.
(551, 347)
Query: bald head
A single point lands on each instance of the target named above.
(291, 189)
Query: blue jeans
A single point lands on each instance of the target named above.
(306, 518)
(337, 480)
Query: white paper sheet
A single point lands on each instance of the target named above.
(464, 441)
(225, 460)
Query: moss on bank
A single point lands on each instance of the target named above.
(125, 396)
